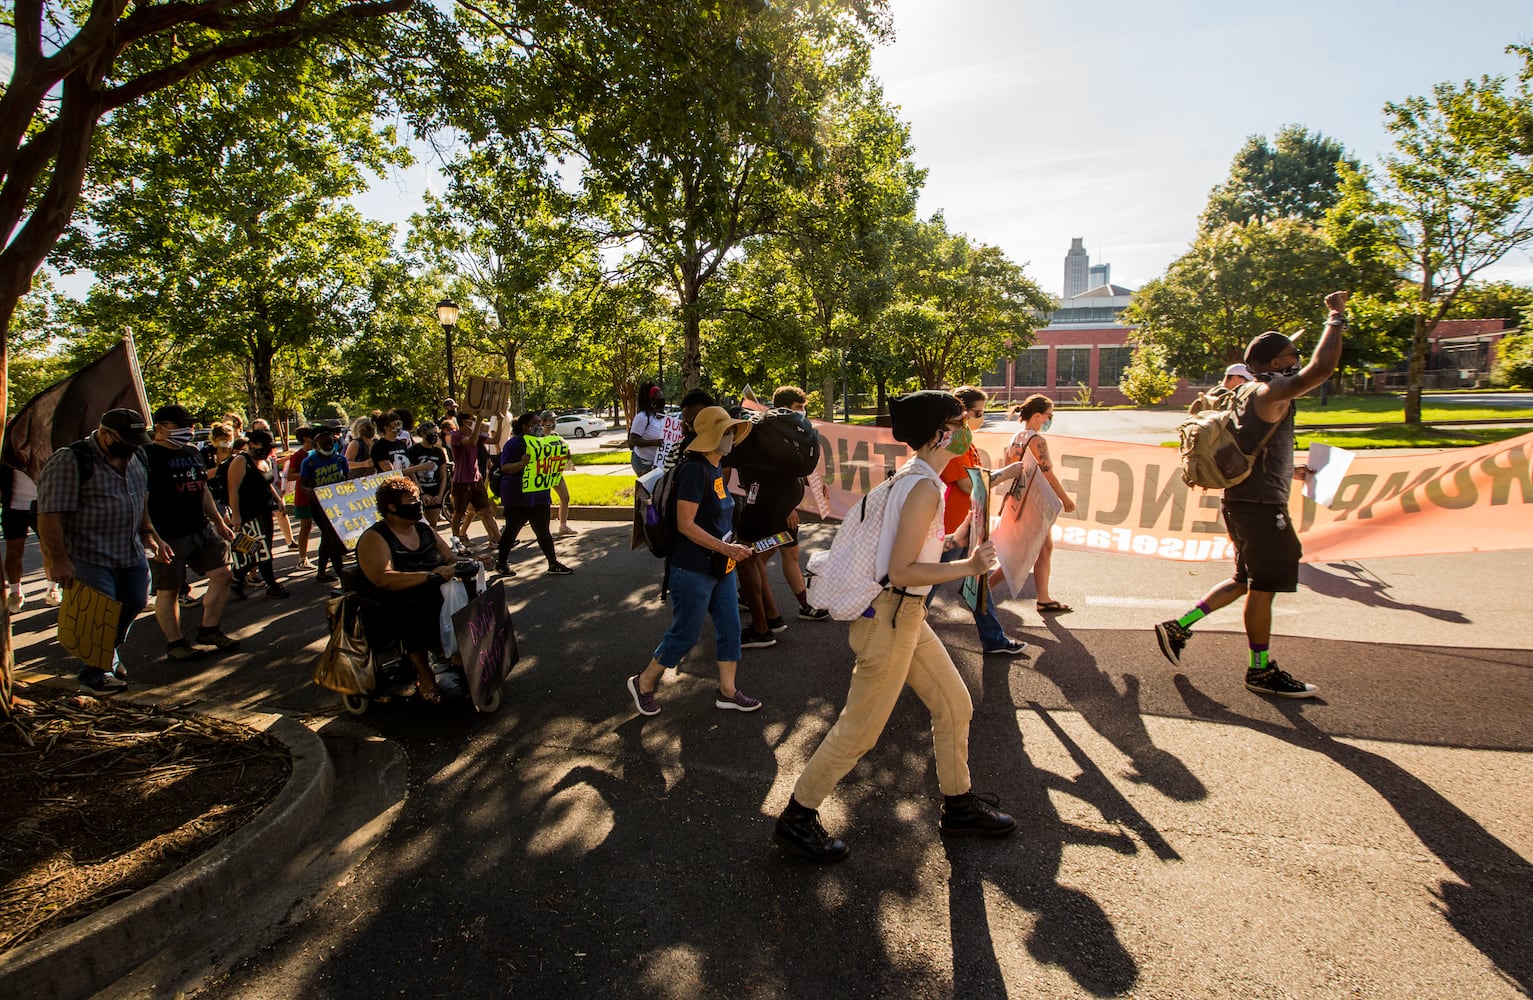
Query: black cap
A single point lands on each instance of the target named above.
(173, 413)
(1265, 347)
(126, 424)
(916, 417)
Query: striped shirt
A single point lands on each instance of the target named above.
(101, 517)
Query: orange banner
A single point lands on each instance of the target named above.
(1130, 498)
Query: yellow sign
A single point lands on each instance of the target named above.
(547, 458)
(88, 625)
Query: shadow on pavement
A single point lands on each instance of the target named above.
(1353, 582)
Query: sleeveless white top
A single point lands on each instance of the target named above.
(931, 548)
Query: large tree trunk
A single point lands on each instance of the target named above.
(828, 394)
(1418, 362)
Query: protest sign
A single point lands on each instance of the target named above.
(486, 642)
(547, 458)
(88, 621)
(249, 546)
(976, 589)
(486, 396)
(1130, 498)
(351, 507)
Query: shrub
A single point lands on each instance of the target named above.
(1146, 380)
(1514, 361)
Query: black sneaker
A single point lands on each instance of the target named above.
(776, 626)
(1173, 639)
(751, 639)
(559, 569)
(974, 813)
(182, 651)
(1013, 647)
(217, 639)
(101, 682)
(812, 614)
(1278, 682)
(799, 829)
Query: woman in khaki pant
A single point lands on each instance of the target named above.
(895, 646)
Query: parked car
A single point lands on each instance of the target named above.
(578, 425)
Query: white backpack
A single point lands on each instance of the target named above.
(843, 578)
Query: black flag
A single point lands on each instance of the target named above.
(71, 408)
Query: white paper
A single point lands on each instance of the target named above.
(1327, 467)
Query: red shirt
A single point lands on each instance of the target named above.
(956, 506)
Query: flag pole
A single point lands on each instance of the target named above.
(138, 375)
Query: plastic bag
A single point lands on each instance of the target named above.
(454, 599)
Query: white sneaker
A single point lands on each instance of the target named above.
(53, 598)
(14, 601)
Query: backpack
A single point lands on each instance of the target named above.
(218, 486)
(781, 441)
(655, 512)
(1211, 454)
(842, 578)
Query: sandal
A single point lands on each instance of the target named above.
(1053, 607)
(432, 697)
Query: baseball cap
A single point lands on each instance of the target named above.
(1266, 346)
(126, 424)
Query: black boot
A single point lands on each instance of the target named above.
(799, 828)
(974, 813)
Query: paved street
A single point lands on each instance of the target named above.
(1179, 836)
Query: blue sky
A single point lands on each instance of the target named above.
(1111, 120)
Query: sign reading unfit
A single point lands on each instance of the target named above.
(486, 396)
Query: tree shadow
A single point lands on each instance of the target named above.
(1354, 582)
(1493, 907)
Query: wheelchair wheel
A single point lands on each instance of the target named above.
(492, 704)
(356, 704)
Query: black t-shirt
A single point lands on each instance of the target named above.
(432, 480)
(177, 480)
(396, 452)
(769, 498)
(702, 484)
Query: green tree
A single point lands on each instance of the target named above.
(958, 303)
(219, 229)
(1454, 198)
(1295, 177)
(1146, 380)
(1234, 283)
(1491, 300)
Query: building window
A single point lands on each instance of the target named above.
(1033, 367)
(1112, 362)
(1073, 365)
(996, 377)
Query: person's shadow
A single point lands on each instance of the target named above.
(1490, 904)
(1071, 931)
(1353, 582)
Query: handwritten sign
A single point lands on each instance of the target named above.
(249, 546)
(976, 589)
(546, 461)
(487, 396)
(351, 507)
(88, 623)
(486, 642)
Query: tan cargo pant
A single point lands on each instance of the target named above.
(894, 648)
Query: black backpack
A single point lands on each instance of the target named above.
(781, 441)
(85, 459)
(655, 512)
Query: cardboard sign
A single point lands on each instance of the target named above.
(88, 622)
(546, 461)
(976, 589)
(249, 546)
(351, 507)
(486, 642)
(486, 396)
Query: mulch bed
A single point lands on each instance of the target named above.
(112, 797)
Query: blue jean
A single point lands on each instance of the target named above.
(991, 634)
(127, 585)
(695, 593)
(640, 466)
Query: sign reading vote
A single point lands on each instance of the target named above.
(351, 507)
(546, 461)
(486, 396)
(88, 625)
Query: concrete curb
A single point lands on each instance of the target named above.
(624, 513)
(89, 955)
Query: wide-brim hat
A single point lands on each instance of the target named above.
(1239, 369)
(711, 425)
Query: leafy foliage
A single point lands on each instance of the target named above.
(1146, 381)
(1293, 178)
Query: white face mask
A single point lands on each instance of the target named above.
(726, 444)
(182, 435)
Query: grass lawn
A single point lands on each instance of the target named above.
(600, 491)
(1390, 409)
(618, 457)
(1425, 437)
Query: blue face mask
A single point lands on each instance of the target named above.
(1047, 424)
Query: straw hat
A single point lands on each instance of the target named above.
(711, 424)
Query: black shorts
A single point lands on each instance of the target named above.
(16, 522)
(1267, 548)
(202, 551)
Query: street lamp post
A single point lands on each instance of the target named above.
(447, 315)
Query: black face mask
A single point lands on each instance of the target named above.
(432, 438)
(120, 449)
(410, 511)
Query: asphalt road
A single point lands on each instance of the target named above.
(1179, 836)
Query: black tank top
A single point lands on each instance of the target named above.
(1271, 475)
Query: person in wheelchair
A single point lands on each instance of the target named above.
(403, 564)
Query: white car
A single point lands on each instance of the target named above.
(578, 425)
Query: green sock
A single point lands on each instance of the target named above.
(1258, 659)
(1197, 614)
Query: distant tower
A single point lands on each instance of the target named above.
(1077, 268)
(1101, 274)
